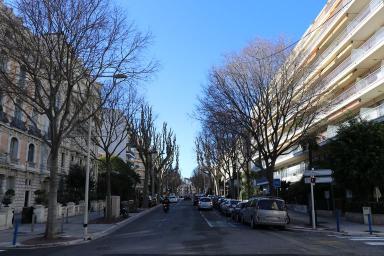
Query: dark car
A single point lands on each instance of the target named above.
(195, 200)
(237, 211)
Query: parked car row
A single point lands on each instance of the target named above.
(269, 211)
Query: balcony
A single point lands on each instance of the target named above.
(4, 159)
(14, 161)
(18, 123)
(3, 117)
(356, 56)
(361, 85)
(33, 130)
(349, 30)
(372, 113)
(32, 165)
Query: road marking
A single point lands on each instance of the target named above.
(206, 220)
(374, 243)
(367, 239)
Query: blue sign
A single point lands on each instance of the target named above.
(276, 183)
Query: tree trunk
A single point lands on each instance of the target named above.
(108, 211)
(145, 188)
(269, 171)
(51, 227)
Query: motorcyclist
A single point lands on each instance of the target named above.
(166, 201)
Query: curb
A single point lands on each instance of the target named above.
(93, 236)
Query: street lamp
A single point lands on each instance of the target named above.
(86, 196)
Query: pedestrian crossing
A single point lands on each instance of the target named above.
(368, 240)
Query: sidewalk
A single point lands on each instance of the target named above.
(72, 230)
(301, 221)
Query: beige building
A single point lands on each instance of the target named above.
(345, 45)
(134, 158)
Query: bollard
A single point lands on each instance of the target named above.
(338, 220)
(62, 223)
(33, 223)
(67, 217)
(369, 224)
(15, 233)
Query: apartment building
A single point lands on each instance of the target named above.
(24, 155)
(345, 46)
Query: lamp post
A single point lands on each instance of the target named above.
(86, 196)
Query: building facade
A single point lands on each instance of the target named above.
(345, 46)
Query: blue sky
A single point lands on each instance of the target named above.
(190, 36)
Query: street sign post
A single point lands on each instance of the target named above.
(321, 179)
(312, 178)
(276, 183)
(318, 172)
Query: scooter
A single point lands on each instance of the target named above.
(165, 207)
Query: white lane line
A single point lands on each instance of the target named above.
(374, 243)
(367, 239)
(206, 220)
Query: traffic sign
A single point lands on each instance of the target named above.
(276, 183)
(326, 179)
(318, 172)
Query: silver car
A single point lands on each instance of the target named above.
(205, 203)
(265, 211)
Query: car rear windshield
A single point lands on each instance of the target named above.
(270, 204)
(205, 199)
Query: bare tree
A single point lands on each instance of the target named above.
(265, 90)
(166, 148)
(143, 138)
(60, 52)
(113, 126)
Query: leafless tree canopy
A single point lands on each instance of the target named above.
(59, 53)
(263, 93)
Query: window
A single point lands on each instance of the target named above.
(62, 159)
(1, 101)
(22, 76)
(31, 153)
(14, 148)
(18, 113)
(3, 61)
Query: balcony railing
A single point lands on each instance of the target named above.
(31, 165)
(350, 29)
(18, 123)
(374, 113)
(33, 130)
(14, 161)
(360, 85)
(3, 117)
(375, 40)
(4, 158)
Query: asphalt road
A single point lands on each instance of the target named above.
(185, 230)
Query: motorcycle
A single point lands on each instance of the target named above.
(165, 207)
(124, 212)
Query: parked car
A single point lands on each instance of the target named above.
(223, 205)
(205, 203)
(266, 211)
(228, 208)
(195, 200)
(173, 199)
(152, 201)
(237, 210)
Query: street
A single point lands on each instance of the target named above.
(185, 230)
